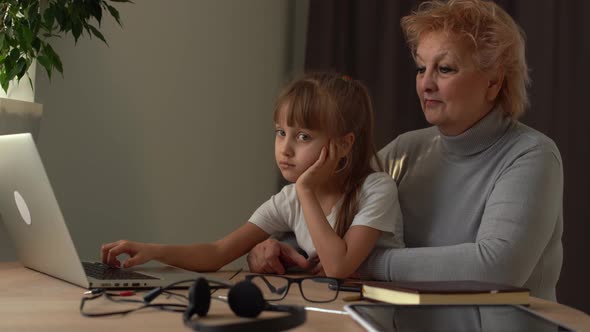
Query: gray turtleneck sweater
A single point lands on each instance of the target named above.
(484, 205)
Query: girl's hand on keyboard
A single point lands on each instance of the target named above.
(138, 252)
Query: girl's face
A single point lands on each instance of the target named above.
(296, 149)
(453, 93)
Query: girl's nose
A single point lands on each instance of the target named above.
(286, 148)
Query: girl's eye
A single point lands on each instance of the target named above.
(445, 70)
(303, 137)
(280, 132)
(420, 70)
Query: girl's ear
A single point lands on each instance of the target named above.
(345, 144)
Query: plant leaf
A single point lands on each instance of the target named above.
(23, 64)
(49, 18)
(95, 10)
(31, 83)
(33, 10)
(61, 16)
(97, 33)
(114, 13)
(76, 29)
(46, 63)
(14, 71)
(25, 36)
(13, 56)
(36, 44)
(4, 84)
(53, 57)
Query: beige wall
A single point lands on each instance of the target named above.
(166, 134)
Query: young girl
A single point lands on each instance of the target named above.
(338, 206)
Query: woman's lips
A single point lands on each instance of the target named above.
(431, 102)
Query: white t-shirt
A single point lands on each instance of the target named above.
(378, 208)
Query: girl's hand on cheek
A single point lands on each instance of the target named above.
(321, 170)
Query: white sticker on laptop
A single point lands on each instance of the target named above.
(22, 207)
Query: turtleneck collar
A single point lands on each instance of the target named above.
(480, 136)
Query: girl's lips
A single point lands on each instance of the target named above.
(284, 164)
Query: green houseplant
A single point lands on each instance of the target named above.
(27, 26)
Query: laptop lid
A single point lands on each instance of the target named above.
(31, 214)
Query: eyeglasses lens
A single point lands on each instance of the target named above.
(318, 289)
(273, 288)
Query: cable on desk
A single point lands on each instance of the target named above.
(236, 273)
(147, 299)
(114, 297)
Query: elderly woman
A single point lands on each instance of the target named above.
(480, 193)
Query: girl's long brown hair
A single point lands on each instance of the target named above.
(337, 105)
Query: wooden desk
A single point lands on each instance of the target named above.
(31, 301)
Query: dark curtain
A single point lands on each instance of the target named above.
(363, 38)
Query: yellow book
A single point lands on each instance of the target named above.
(444, 292)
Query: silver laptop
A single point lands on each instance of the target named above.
(39, 233)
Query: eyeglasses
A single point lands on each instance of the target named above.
(313, 289)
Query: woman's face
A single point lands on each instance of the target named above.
(453, 93)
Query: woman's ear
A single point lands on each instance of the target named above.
(345, 144)
(494, 85)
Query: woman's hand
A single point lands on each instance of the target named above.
(272, 256)
(321, 170)
(318, 270)
(138, 252)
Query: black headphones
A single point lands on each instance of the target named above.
(245, 300)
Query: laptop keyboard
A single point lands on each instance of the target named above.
(106, 272)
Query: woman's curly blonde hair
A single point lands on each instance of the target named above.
(496, 41)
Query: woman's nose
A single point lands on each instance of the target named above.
(428, 81)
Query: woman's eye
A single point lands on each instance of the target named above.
(280, 132)
(303, 137)
(445, 70)
(420, 70)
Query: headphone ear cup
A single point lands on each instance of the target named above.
(245, 299)
(199, 298)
